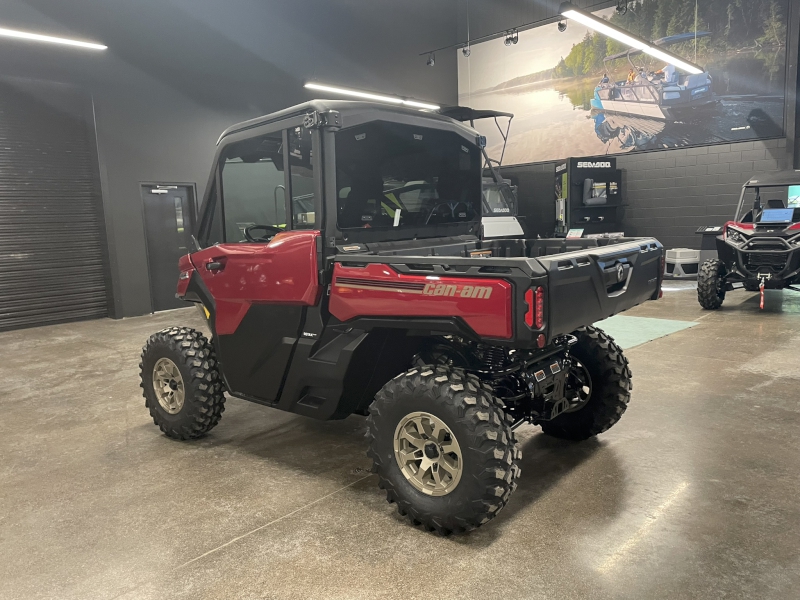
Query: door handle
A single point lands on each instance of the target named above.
(214, 266)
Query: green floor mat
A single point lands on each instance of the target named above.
(635, 331)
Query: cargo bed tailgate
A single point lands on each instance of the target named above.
(589, 285)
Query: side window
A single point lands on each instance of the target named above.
(301, 170)
(211, 229)
(253, 190)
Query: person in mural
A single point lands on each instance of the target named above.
(631, 76)
(605, 78)
(669, 73)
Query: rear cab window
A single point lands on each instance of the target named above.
(393, 175)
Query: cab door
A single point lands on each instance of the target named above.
(258, 268)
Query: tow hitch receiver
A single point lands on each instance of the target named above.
(547, 383)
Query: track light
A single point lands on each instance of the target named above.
(466, 51)
(562, 26)
(431, 59)
(622, 7)
(512, 37)
(37, 37)
(371, 96)
(571, 11)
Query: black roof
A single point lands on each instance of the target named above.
(344, 107)
(775, 179)
(465, 113)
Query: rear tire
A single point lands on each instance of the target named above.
(711, 284)
(478, 442)
(610, 388)
(181, 383)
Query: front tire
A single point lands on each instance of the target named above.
(443, 448)
(181, 383)
(711, 284)
(610, 389)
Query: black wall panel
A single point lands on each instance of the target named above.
(52, 248)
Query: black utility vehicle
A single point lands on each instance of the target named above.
(760, 248)
(340, 270)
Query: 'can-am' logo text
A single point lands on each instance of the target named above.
(481, 292)
(594, 165)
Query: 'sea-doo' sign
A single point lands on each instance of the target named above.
(481, 292)
(594, 165)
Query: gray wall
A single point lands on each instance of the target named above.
(669, 193)
(178, 72)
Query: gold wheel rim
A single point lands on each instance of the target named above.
(428, 454)
(168, 386)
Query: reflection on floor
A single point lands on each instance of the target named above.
(692, 495)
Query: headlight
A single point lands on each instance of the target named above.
(734, 236)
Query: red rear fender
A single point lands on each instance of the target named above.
(378, 290)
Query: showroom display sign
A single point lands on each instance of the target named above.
(579, 93)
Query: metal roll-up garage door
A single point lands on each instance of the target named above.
(53, 265)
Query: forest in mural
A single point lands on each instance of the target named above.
(550, 80)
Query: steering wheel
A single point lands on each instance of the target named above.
(268, 228)
(433, 211)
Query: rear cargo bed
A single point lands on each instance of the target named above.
(584, 281)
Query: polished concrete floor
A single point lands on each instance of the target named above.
(694, 494)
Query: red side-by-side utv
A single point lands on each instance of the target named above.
(340, 270)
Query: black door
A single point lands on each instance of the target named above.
(169, 221)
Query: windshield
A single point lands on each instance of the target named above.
(498, 198)
(770, 204)
(391, 175)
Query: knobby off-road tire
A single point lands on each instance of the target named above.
(468, 411)
(610, 388)
(182, 360)
(711, 284)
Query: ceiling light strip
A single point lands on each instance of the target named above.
(371, 96)
(36, 37)
(570, 11)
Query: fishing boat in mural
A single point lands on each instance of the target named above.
(664, 95)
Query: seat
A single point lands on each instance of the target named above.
(776, 203)
(356, 209)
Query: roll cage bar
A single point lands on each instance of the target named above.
(768, 180)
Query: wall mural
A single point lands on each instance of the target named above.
(579, 93)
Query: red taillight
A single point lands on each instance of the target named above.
(538, 297)
(534, 316)
(529, 312)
